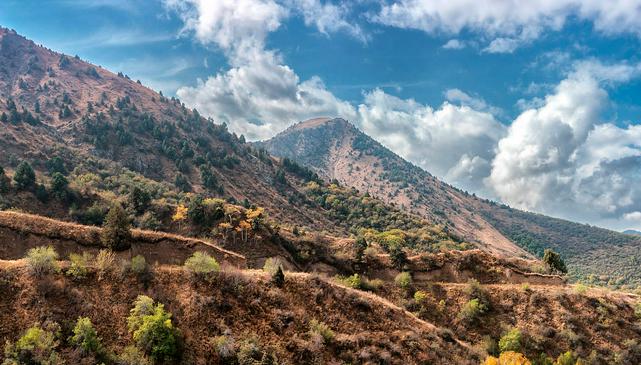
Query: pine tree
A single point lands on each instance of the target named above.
(25, 177)
(116, 232)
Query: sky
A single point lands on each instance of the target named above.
(532, 103)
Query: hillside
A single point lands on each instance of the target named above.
(234, 314)
(335, 149)
(114, 140)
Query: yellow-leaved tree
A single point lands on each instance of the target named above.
(180, 215)
(508, 358)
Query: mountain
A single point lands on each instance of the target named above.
(111, 136)
(633, 232)
(337, 150)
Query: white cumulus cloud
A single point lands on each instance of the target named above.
(508, 24)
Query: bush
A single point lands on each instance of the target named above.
(353, 281)
(403, 280)
(637, 310)
(580, 288)
(271, 265)
(475, 290)
(78, 265)
(116, 233)
(131, 355)
(317, 328)
(472, 310)
(105, 263)
(420, 297)
(138, 265)
(201, 263)
(225, 346)
(42, 260)
(24, 177)
(153, 330)
(85, 337)
(511, 341)
(508, 358)
(36, 346)
(59, 184)
(566, 358)
(372, 285)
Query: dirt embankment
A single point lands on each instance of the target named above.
(243, 305)
(20, 232)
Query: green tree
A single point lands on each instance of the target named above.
(59, 184)
(4, 181)
(25, 177)
(511, 341)
(360, 244)
(554, 261)
(116, 230)
(397, 256)
(153, 330)
(139, 199)
(85, 337)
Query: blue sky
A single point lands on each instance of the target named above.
(534, 104)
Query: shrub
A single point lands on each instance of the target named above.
(278, 278)
(566, 358)
(138, 265)
(372, 285)
(353, 281)
(153, 330)
(403, 280)
(580, 288)
(85, 337)
(420, 297)
(131, 355)
(24, 176)
(475, 290)
(317, 328)
(511, 341)
(105, 263)
(201, 263)
(225, 346)
(78, 265)
(508, 358)
(472, 310)
(42, 260)
(116, 232)
(149, 221)
(36, 346)
(637, 310)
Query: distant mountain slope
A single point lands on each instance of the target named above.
(335, 149)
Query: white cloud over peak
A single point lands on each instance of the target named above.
(259, 95)
(508, 24)
(453, 142)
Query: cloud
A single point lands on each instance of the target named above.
(561, 158)
(328, 18)
(259, 95)
(262, 98)
(506, 24)
(477, 103)
(454, 44)
(453, 142)
(233, 25)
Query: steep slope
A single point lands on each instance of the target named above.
(335, 149)
(111, 136)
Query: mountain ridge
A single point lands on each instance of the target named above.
(336, 149)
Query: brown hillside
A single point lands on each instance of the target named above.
(336, 149)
